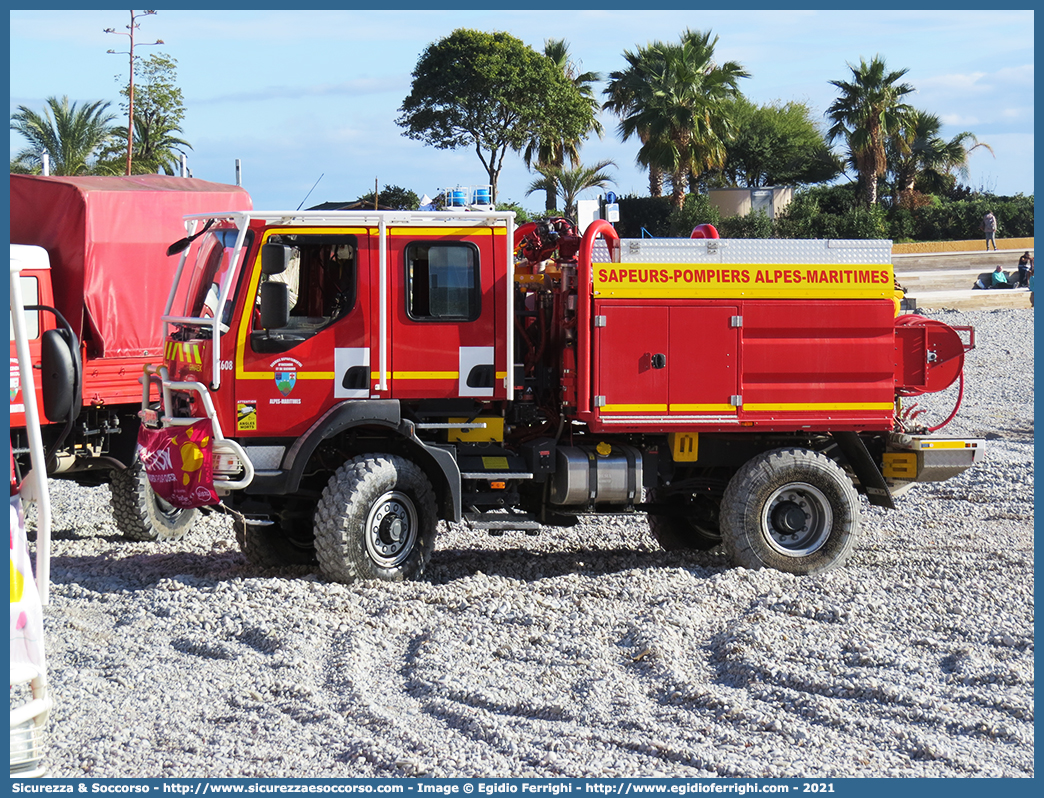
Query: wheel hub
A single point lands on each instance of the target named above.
(391, 529)
(789, 518)
(797, 519)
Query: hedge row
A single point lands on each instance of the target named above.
(831, 213)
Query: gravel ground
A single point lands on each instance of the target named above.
(585, 652)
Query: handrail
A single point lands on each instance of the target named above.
(161, 374)
(583, 313)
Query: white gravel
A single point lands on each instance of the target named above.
(585, 652)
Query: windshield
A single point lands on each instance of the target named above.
(213, 262)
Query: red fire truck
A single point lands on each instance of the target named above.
(102, 280)
(368, 374)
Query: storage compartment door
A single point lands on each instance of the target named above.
(632, 361)
(702, 362)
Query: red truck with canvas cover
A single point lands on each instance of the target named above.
(104, 285)
(364, 376)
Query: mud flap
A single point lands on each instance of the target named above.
(872, 480)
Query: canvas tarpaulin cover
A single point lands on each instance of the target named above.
(107, 239)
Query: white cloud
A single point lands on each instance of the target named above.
(351, 88)
(957, 120)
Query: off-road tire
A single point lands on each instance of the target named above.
(268, 546)
(376, 520)
(793, 510)
(139, 513)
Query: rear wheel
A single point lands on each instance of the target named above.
(142, 515)
(376, 520)
(794, 510)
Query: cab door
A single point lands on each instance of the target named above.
(287, 377)
(443, 313)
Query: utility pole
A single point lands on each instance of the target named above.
(130, 86)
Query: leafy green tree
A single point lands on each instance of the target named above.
(869, 110)
(521, 214)
(919, 157)
(159, 112)
(570, 183)
(696, 210)
(493, 93)
(776, 145)
(756, 224)
(673, 98)
(542, 151)
(394, 197)
(71, 135)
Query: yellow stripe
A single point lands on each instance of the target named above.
(793, 406)
(703, 408)
(443, 231)
(715, 408)
(301, 375)
(944, 445)
(425, 375)
(296, 230)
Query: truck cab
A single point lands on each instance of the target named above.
(31, 699)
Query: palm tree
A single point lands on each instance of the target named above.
(672, 98)
(156, 148)
(918, 154)
(869, 110)
(624, 89)
(72, 136)
(571, 182)
(553, 150)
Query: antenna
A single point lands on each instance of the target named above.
(310, 191)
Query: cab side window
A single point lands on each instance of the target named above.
(320, 278)
(30, 296)
(442, 282)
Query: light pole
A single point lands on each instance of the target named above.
(130, 86)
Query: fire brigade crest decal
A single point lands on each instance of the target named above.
(286, 375)
(285, 381)
(16, 382)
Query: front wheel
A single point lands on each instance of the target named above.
(142, 515)
(794, 510)
(376, 520)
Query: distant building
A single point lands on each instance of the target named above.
(357, 205)
(742, 201)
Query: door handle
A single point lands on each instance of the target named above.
(659, 361)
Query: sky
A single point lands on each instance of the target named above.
(307, 100)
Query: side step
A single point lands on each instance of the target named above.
(498, 523)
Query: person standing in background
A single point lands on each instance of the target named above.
(989, 225)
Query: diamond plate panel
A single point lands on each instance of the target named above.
(772, 251)
(265, 458)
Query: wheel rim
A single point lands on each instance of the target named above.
(798, 519)
(391, 529)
